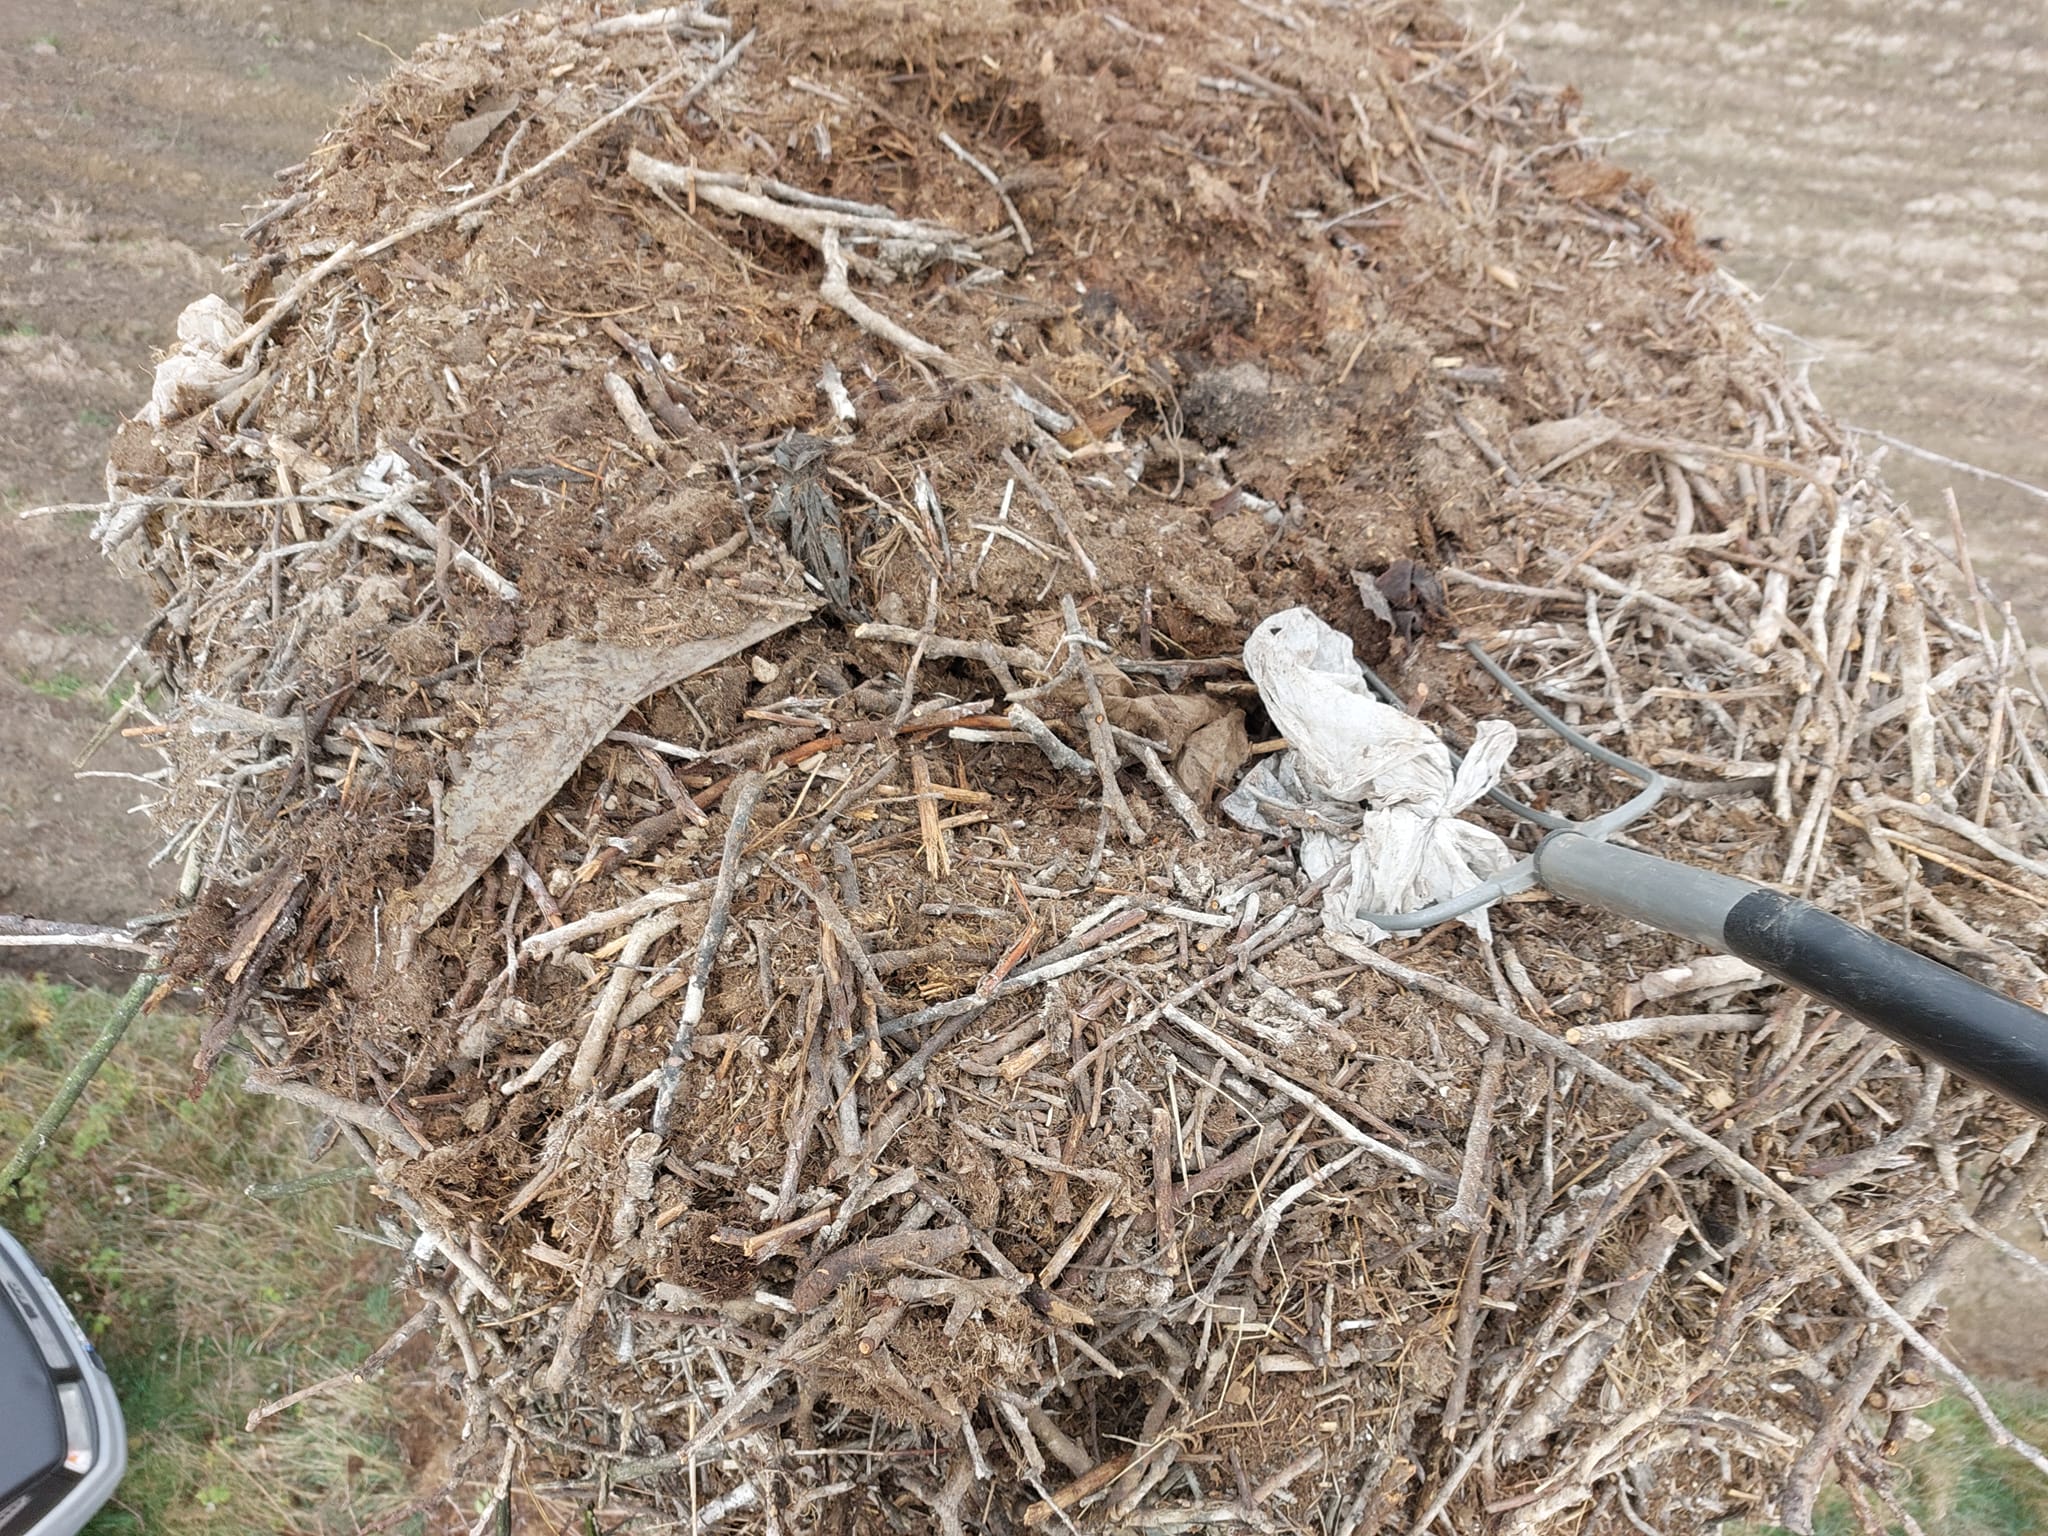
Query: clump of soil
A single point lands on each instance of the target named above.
(705, 601)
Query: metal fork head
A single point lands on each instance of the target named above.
(1521, 875)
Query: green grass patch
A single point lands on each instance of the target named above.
(69, 685)
(203, 1301)
(59, 685)
(1959, 1483)
(124, 690)
(1955, 1481)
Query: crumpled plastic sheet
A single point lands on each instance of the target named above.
(194, 376)
(1371, 788)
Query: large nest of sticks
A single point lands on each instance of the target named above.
(704, 589)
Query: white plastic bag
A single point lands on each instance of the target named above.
(193, 377)
(1371, 786)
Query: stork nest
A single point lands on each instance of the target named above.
(703, 586)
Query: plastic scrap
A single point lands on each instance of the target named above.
(1371, 788)
(195, 376)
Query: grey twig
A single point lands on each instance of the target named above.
(1738, 1167)
(989, 176)
(1098, 728)
(38, 933)
(746, 794)
(368, 1117)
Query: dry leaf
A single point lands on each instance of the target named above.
(1698, 975)
(1550, 445)
(1593, 181)
(1210, 761)
(1171, 718)
(1095, 429)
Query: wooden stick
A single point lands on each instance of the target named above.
(552, 939)
(633, 415)
(809, 217)
(353, 1377)
(938, 858)
(1994, 753)
(989, 176)
(746, 794)
(423, 526)
(670, 18)
(1020, 656)
(1254, 1065)
(1059, 518)
(537, 1070)
(834, 291)
(800, 1345)
(453, 1251)
(369, 1117)
(1057, 752)
(1474, 1173)
(1183, 806)
(1098, 726)
(1964, 828)
(81, 1073)
(288, 301)
(625, 970)
(1664, 1027)
(842, 930)
(38, 933)
(1464, 1333)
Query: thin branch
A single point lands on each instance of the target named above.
(52, 1118)
(1737, 1166)
(42, 933)
(834, 291)
(369, 1117)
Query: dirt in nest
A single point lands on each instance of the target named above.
(1246, 319)
(1233, 323)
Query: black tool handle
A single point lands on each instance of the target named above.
(1970, 1029)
